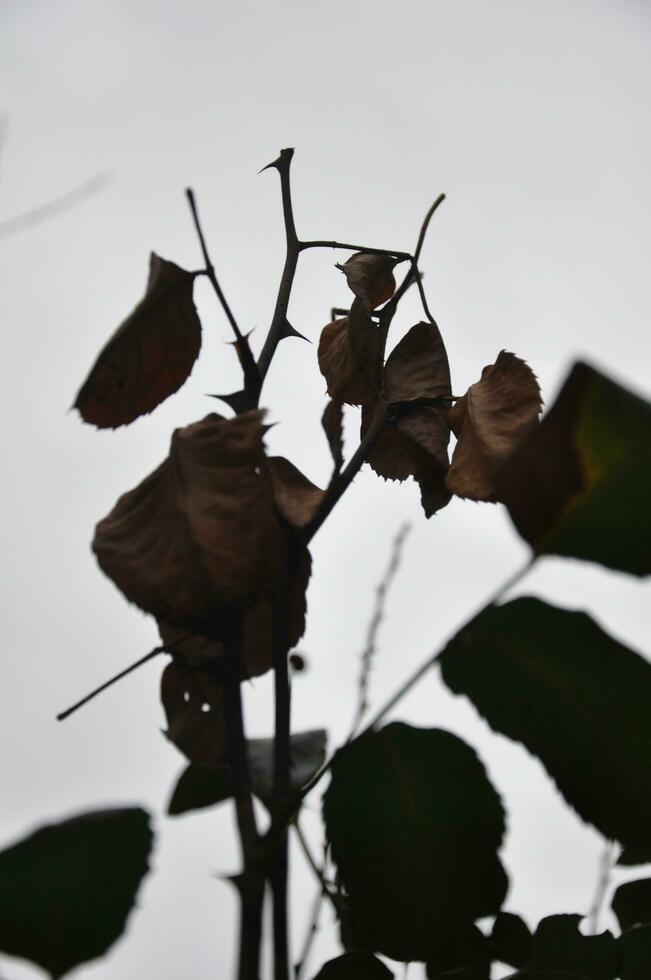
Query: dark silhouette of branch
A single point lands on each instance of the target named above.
(50, 209)
(113, 680)
(374, 627)
(247, 359)
(310, 936)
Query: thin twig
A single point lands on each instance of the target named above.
(606, 863)
(392, 253)
(425, 225)
(342, 480)
(247, 359)
(35, 216)
(113, 680)
(309, 857)
(374, 627)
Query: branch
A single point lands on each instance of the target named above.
(374, 626)
(247, 360)
(401, 256)
(312, 930)
(51, 208)
(118, 677)
(603, 881)
(279, 319)
(342, 480)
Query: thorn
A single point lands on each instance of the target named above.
(288, 330)
(238, 400)
(285, 157)
(237, 341)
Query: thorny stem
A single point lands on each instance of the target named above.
(279, 319)
(249, 366)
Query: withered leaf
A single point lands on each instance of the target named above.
(417, 367)
(193, 703)
(414, 444)
(149, 356)
(350, 357)
(490, 422)
(196, 650)
(198, 541)
(297, 498)
(332, 421)
(370, 277)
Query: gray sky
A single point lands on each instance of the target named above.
(534, 119)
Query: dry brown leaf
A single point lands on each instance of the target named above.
(490, 422)
(297, 498)
(414, 444)
(370, 277)
(193, 703)
(198, 541)
(149, 356)
(350, 357)
(417, 367)
(332, 421)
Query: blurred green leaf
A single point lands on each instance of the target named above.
(580, 484)
(632, 903)
(635, 953)
(573, 696)
(510, 939)
(66, 890)
(354, 966)
(200, 787)
(414, 826)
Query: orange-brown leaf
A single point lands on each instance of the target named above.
(193, 703)
(417, 367)
(490, 422)
(198, 541)
(149, 356)
(297, 498)
(370, 277)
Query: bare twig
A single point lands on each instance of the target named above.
(391, 253)
(374, 626)
(606, 863)
(313, 928)
(65, 202)
(113, 680)
(247, 359)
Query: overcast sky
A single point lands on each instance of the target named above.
(534, 119)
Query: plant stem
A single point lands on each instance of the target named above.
(279, 872)
(342, 480)
(293, 247)
(403, 256)
(251, 881)
(98, 690)
(247, 360)
(312, 930)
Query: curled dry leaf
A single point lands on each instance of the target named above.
(490, 422)
(350, 357)
(198, 542)
(149, 356)
(415, 442)
(370, 277)
(332, 421)
(297, 498)
(193, 703)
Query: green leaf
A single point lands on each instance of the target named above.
(414, 826)
(510, 939)
(199, 787)
(632, 903)
(573, 696)
(67, 889)
(580, 484)
(355, 965)
(466, 957)
(635, 953)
